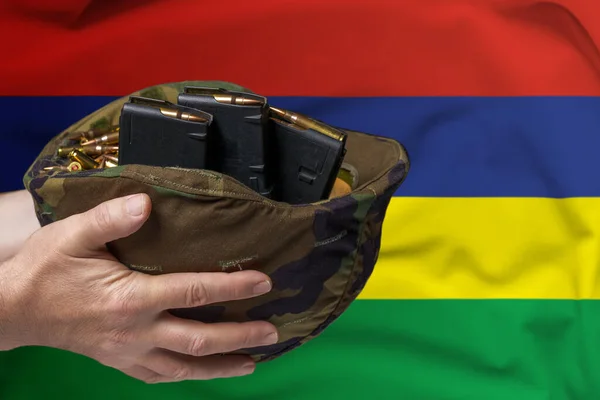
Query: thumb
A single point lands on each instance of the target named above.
(111, 220)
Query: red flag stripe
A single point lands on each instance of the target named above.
(334, 48)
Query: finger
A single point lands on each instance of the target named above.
(111, 220)
(186, 290)
(145, 375)
(199, 339)
(179, 367)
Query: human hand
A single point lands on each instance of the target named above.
(63, 289)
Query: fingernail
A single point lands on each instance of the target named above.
(263, 287)
(271, 338)
(135, 205)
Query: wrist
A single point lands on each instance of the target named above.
(18, 221)
(9, 336)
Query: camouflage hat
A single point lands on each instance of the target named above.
(319, 256)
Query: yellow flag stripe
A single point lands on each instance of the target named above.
(488, 248)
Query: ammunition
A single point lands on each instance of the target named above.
(56, 168)
(84, 160)
(167, 108)
(308, 123)
(110, 138)
(101, 161)
(96, 150)
(92, 133)
(237, 100)
(225, 97)
(110, 149)
(340, 189)
(74, 167)
(181, 115)
(64, 151)
(110, 164)
(111, 158)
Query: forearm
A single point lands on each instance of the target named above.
(17, 222)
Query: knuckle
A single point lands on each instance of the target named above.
(236, 287)
(119, 308)
(125, 303)
(197, 294)
(198, 346)
(129, 303)
(181, 372)
(102, 217)
(118, 339)
(251, 337)
(247, 334)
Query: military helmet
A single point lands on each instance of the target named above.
(319, 256)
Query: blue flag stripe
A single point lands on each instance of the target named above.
(459, 146)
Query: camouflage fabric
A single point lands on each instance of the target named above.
(319, 256)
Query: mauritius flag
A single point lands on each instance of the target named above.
(489, 274)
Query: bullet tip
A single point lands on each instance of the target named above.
(277, 111)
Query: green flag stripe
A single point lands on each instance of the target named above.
(379, 349)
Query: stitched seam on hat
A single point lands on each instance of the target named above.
(237, 262)
(296, 321)
(197, 172)
(331, 239)
(191, 190)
